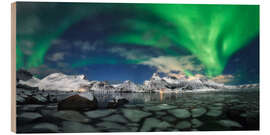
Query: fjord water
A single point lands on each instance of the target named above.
(200, 110)
(235, 109)
(189, 96)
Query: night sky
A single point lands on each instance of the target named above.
(117, 42)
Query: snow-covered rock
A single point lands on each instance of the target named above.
(81, 102)
(155, 76)
(156, 84)
(62, 82)
(33, 82)
(248, 86)
(101, 86)
(58, 81)
(171, 79)
(129, 86)
(168, 82)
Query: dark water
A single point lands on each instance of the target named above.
(200, 96)
(219, 110)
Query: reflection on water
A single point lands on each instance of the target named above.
(247, 95)
(161, 94)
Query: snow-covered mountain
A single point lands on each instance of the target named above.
(62, 82)
(169, 82)
(128, 86)
(101, 86)
(58, 81)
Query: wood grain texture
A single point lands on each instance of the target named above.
(13, 67)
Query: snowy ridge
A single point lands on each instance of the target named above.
(169, 82)
(62, 82)
(128, 86)
(58, 81)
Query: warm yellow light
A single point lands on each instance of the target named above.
(81, 90)
(161, 92)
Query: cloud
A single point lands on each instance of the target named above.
(26, 47)
(174, 63)
(131, 54)
(178, 75)
(42, 70)
(223, 78)
(86, 45)
(197, 76)
(62, 64)
(57, 56)
(29, 25)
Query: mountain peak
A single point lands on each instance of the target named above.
(155, 76)
(60, 81)
(24, 75)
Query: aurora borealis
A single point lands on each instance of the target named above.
(139, 38)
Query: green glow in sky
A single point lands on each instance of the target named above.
(212, 33)
(40, 24)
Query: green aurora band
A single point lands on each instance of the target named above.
(212, 33)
